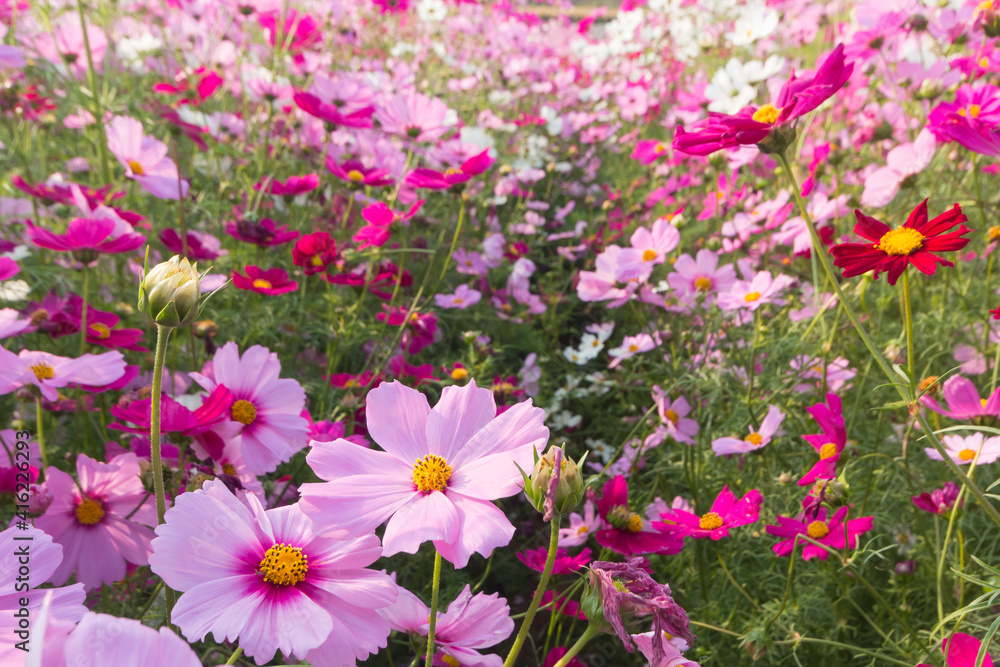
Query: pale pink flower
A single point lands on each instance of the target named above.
(463, 297)
(581, 527)
(700, 277)
(65, 46)
(673, 418)
(144, 158)
(755, 440)
(649, 248)
(965, 450)
(416, 116)
(51, 373)
(902, 162)
(754, 294)
(437, 473)
(601, 284)
(631, 346)
(11, 323)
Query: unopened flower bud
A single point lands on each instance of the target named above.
(169, 292)
(555, 486)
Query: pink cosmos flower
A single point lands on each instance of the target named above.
(649, 248)
(601, 284)
(8, 268)
(963, 400)
(752, 295)
(580, 527)
(727, 512)
(673, 419)
(961, 650)
(453, 177)
(45, 556)
(672, 656)
(939, 501)
(623, 530)
(266, 411)
(965, 450)
(201, 246)
(65, 44)
(471, 622)
(756, 440)
(902, 162)
(265, 234)
(357, 174)
(438, 470)
(197, 87)
(828, 444)
(631, 346)
(12, 324)
(463, 297)
(273, 281)
(98, 519)
(144, 158)
(102, 639)
(753, 125)
(329, 113)
(420, 328)
(700, 277)
(469, 262)
(86, 238)
(414, 115)
(267, 578)
(51, 373)
(649, 151)
(815, 524)
(563, 564)
(293, 186)
(379, 218)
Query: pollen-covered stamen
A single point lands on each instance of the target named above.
(243, 411)
(89, 511)
(451, 171)
(901, 241)
(623, 519)
(450, 661)
(967, 454)
(766, 114)
(431, 473)
(659, 148)
(355, 176)
(755, 439)
(136, 168)
(671, 416)
(818, 530)
(827, 451)
(710, 521)
(260, 283)
(284, 565)
(229, 469)
(751, 297)
(649, 255)
(993, 233)
(316, 260)
(102, 330)
(42, 371)
(702, 284)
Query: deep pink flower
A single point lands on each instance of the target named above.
(939, 501)
(649, 151)
(100, 519)
(196, 86)
(379, 218)
(50, 373)
(963, 400)
(753, 125)
(144, 158)
(357, 174)
(437, 473)
(86, 238)
(453, 177)
(266, 233)
(306, 30)
(380, 284)
(201, 246)
(8, 268)
(272, 281)
(815, 524)
(961, 650)
(330, 113)
(421, 327)
(830, 443)
(726, 513)
(176, 418)
(294, 185)
(244, 571)
(314, 252)
(563, 564)
(624, 531)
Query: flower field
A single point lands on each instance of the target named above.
(431, 332)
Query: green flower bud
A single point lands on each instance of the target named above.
(569, 488)
(169, 293)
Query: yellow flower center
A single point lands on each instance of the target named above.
(431, 473)
(766, 114)
(702, 284)
(993, 234)
(459, 374)
(43, 371)
(102, 330)
(316, 260)
(452, 171)
(649, 255)
(244, 412)
(710, 521)
(967, 454)
(659, 148)
(355, 176)
(136, 168)
(982, 402)
(634, 523)
(351, 383)
(984, 62)
(89, 511)
(284, 565)
(450, 661)
(672, 416)
(818, 530)
(827, 451)
(755, 439)
(228, 469)
(900, 241)
(260, 283)
(751, 297)
(582, 530)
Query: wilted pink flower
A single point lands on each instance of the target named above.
(145, 159)
(439, 470)
(757, 438)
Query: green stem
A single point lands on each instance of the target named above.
(908, 318)
(432, 620)
(543, 584)
(102, 142)
(83, 312)
(943, 554)
(587, 635)
(162, 335)
(235, 656)
(454, 242)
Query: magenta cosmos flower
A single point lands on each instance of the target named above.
(453, 177)
(757, 438)
(471, 622)
(961, 650)
(726, 513)
(563, 564)
(265, 234)
(266, 577)
(295, 185)
(98, 519)
(266, 410)
(624, 531)
(51, 373)
(828, 444)
(939, 501)
(437, 473)
(963, 400)
(144, 158)
(265, 281)
(832, 532)
(87, 238)
(753, 125)
(357, 174)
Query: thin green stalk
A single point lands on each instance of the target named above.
(944, 554)
(908, 318)
(543, 584)
(162, 335)
(587, 635)
(102, 143)
(83, 312)
(235, 656)
(432, 620)
(454, 242)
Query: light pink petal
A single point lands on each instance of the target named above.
(355, 506)
(430, 516)
(458, 416)
(397, 420)
(483, 528)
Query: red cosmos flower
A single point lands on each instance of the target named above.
(893, 249)
(752, 125)
(436, 180)
(624, 531)
(265, 233)
(357, 174)
(314, 252)
(271, 282)
(295, 185)
(197, 87)
(329, 113)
